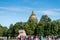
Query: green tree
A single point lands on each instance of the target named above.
(5, 31)
(40, 29)
(33, 25)
(44, 25)
(54, 27)
(11, 30)
(28, 29)
(17, 27)
(47, 30)
(45, 19)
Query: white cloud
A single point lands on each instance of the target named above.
(16, 9)
(48, 12)
(51, 12)
(56, 9)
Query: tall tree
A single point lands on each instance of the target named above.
(45, 24)
(45, 19)
(10, 30)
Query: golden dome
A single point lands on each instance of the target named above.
(33, 16)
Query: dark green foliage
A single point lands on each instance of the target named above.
(45, 19)
(40, 29)
(30, 27)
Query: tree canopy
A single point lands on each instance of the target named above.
(45, 26)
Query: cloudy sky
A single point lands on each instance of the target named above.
(12, 11)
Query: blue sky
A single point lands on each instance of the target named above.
(12, 11)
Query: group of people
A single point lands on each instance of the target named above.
(28, 38)
(51, 38)
(37, 38)
(22, 36)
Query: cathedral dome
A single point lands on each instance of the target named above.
(33, 16)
